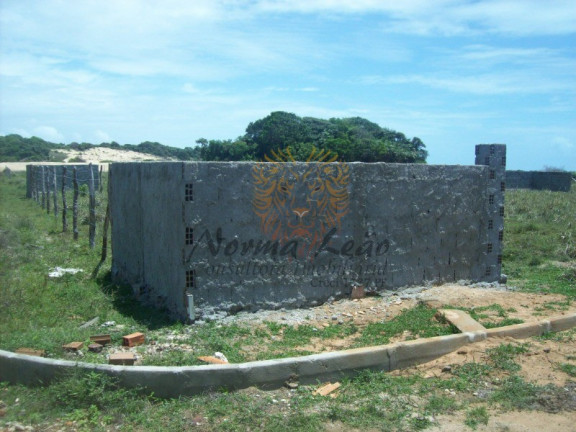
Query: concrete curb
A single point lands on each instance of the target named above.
(190, 380)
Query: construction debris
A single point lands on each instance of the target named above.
(122, 358)
(327, 389)
(73, 346)
(134, 339)
(31, 352)
(211, 359)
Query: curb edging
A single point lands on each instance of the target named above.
(174, 381)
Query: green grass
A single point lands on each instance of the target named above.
(416, 322)
(569, 369)
(44, 313)
(476, 416)
(540, 230)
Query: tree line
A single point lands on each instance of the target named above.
(352, 139)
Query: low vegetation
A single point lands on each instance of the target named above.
(43, 312)
(352, 139)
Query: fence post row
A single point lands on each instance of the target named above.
(42, 181)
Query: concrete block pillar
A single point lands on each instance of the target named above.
(494, 156)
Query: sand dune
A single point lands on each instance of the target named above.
(97, 155)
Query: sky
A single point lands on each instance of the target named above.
(454, 73)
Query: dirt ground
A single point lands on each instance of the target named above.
(539, 364)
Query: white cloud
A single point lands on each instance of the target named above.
(481, 84)
(564, 143)
(48, 133)
(291, 89)
(101, 137)
(446, 17)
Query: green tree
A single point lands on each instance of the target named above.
(275, 131)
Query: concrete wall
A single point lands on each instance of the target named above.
(35, 174)
(233, 236)
(539, 180)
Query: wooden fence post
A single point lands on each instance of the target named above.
(64, 208)
(75, 206)
(92, 208)
(35, 194)
(47, 186)
(104, 242)
(55, 193)
(34, 180)
(43, 187)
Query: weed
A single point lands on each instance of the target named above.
(516, 393)
(502, 357)
(492, 316)
(470, 376)
(419, 321)
(441, 404)
(504, 322)
(568, 368)
(476, 416)
(82, 390)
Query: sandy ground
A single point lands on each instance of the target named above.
(540, 364)
(96, 155)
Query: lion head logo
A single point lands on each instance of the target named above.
(300, 202)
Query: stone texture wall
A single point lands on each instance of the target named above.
(199, 238)
(539, 180)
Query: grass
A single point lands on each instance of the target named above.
(540, 236)
(417, 322)
(43, 312)
(476, 416)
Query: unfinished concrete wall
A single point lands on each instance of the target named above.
(232, 236)
(556, 181)
(35, 174)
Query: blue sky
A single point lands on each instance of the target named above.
(454, 73)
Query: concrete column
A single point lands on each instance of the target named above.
(494, 156)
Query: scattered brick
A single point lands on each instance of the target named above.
(327, 389)
(357, 292)
(122, 358)
(73, 346)
(31, 352)
(95, 347)
(134, 339)
(103, 339)
(213, 360)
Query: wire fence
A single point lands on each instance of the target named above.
(51, 186)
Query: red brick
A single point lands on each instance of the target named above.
(357, 292)
(73, 346)
(134, 339)
(95, 347)
(104, 339)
